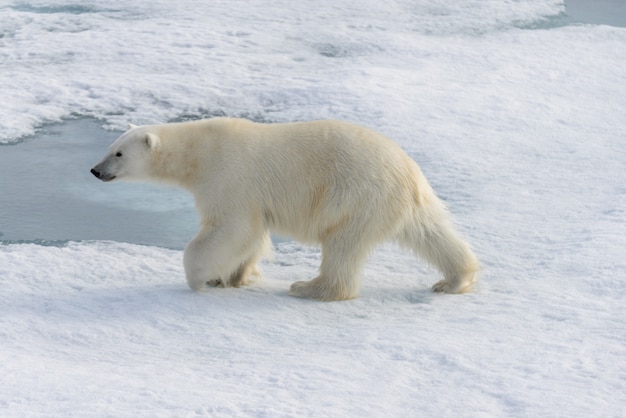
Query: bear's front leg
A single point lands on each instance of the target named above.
(223, 256)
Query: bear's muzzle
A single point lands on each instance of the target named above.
(100, 175)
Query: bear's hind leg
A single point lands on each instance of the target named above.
(435, 239)
(339, 279)
(455, 260)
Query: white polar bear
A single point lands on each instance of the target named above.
(332, 183)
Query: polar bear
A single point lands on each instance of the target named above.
(332, 183)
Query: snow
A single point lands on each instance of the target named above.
(515, 115)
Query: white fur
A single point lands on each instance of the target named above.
(332, 183)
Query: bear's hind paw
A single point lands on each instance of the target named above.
(301, 289)
(444, 286)
(317, 289)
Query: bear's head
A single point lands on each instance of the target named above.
(129, 156)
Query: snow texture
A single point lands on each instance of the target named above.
(516, 117)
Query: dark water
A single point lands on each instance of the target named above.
(599, 12)
(48, 194)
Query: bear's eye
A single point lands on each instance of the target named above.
(119, 154)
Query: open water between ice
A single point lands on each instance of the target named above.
(597, 12)
(48, 194)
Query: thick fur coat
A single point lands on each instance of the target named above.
(337, 184)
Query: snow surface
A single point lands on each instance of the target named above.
(516, 117)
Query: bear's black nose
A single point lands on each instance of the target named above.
(95, 173)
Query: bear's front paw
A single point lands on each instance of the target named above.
(441, 286)
(215, 283)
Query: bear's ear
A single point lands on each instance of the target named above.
(152, 141)
(131, 126)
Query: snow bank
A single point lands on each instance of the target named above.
(103, 328)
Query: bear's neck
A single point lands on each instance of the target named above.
(176, 162)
